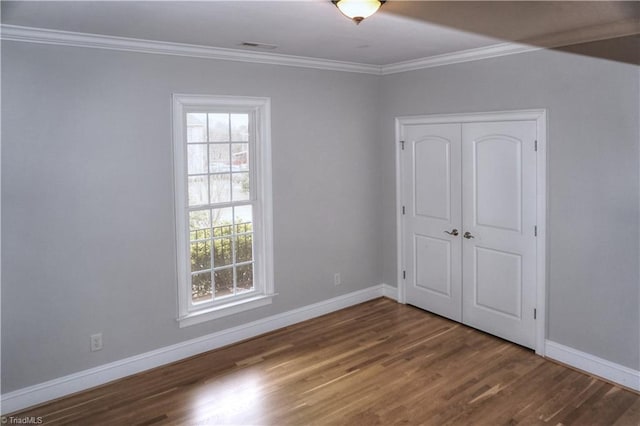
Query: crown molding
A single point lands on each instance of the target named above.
(468, 55)
(95, 41)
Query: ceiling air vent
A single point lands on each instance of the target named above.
(258, 45)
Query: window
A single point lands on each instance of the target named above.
(223, 205)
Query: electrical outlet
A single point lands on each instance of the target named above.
(336, 279)
(96, 342)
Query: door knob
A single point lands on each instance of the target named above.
(468, 235)
(453, 232)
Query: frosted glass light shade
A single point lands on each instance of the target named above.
(357, 10)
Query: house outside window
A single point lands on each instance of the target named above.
(222, 168)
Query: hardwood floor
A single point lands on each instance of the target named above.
(376, 363)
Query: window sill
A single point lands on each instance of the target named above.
(230, 308)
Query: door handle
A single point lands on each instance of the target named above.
(468, 235)
(453, 232)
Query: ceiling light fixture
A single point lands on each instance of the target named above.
(357, 10)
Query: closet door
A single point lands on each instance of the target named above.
(499, 219)
(432, 218)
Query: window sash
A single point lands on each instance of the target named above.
(233, 265)
(235, 238)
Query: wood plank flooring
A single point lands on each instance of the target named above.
(375, 363)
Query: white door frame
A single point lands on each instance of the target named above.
(540, 116)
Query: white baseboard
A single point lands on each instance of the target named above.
(390, 292)
(56, 388)
(592, 364)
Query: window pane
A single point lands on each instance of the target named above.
(200, 256)
(201, 286)
(198, 190)
(219, 160)
(222, 222)
(224, 282)
(196, 127)
(245, 278)
(199, 225)
(197, 159)
(218, 127)
(241, 186)
(244, 248)
(240, 156)
(242, 218)
(240, 127)
(220, 186)
(222, 252)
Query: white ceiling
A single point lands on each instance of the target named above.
(400, 31)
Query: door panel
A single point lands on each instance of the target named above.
(432, 165)
(433, 264)
(498, 284)
(499, 199)
(431, 193)
(498, 189)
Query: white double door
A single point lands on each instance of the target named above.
(469, 195)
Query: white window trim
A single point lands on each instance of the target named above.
(189, 314)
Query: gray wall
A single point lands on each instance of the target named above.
(87, 199)
(88, 226)
(593, 187)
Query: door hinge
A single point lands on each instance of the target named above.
(404, 275)
(535, 231)
(402, 145)
(403, 210)
(535, 145)
(535, 313)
